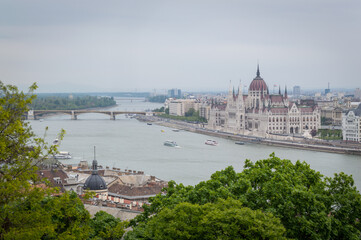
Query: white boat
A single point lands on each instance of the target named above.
(62, 155)
(56, 141)
(239, 143)
(211, 142)
(170, 143)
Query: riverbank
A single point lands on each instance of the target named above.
(304, 144)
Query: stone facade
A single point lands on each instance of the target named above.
(262, 114)
(351, 125)
(179, 107)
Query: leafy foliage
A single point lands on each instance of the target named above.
(69, 218)
(330, 134)
(20, 153)
(105, 226)
(190, 116)
(309, 205)
(162, 109)
(66, 103)
(326, 121)
(158, 99)
(29, 207)
(225, 219)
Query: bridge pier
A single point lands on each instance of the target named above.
(112, 116)
(73, 116)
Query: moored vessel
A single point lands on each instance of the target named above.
(211, 142)
(170, 143)
(62, 155)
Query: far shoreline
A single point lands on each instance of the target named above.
(306, 144)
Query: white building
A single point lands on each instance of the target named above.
(179, 107)
(262, 114)
(351, 125)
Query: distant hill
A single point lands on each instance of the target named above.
(109, 94)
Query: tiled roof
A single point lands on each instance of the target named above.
(135, 191)
(279, 110)
(276, 98)
(51, 174)
(306, 109)
(356, 111)
(258, 84)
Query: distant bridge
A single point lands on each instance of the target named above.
(35, 114)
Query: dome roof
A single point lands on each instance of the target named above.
(94, 181)
(258, 84)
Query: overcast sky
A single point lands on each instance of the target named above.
(92, 45)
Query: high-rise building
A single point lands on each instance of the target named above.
(327, 90)
(175, 93)
(296, 91)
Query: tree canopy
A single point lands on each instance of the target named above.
(29, 207)
(74, 103)
(225, 219)
(309, 205)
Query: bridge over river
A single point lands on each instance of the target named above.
(36, 114)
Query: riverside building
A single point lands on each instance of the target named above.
(261, 114)
(351, 125)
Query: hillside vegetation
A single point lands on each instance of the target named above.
(66, 103)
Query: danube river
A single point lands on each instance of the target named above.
(129, 144)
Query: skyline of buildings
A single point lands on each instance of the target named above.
(262, 114)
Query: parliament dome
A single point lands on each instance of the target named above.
(258, 84)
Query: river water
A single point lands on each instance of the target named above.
(129, 144)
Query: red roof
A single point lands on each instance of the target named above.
(276, 98)
(258, 84)
(220, 107)
(306, 109)
(279, 110)
(134, 191)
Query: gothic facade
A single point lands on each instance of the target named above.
(262, 114)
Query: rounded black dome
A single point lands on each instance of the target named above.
(95, 182)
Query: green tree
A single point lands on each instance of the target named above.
(20, 152)
(159, 98)
(191, 112)
(69, 218)
(159, 109)
(225, 219)
(309, 205)
(105, 226)
(28, 209)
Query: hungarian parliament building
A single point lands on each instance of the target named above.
(262, 114)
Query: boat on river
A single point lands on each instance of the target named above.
(170, 143)
(239, 143)
(62, 155)
(211, 142)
